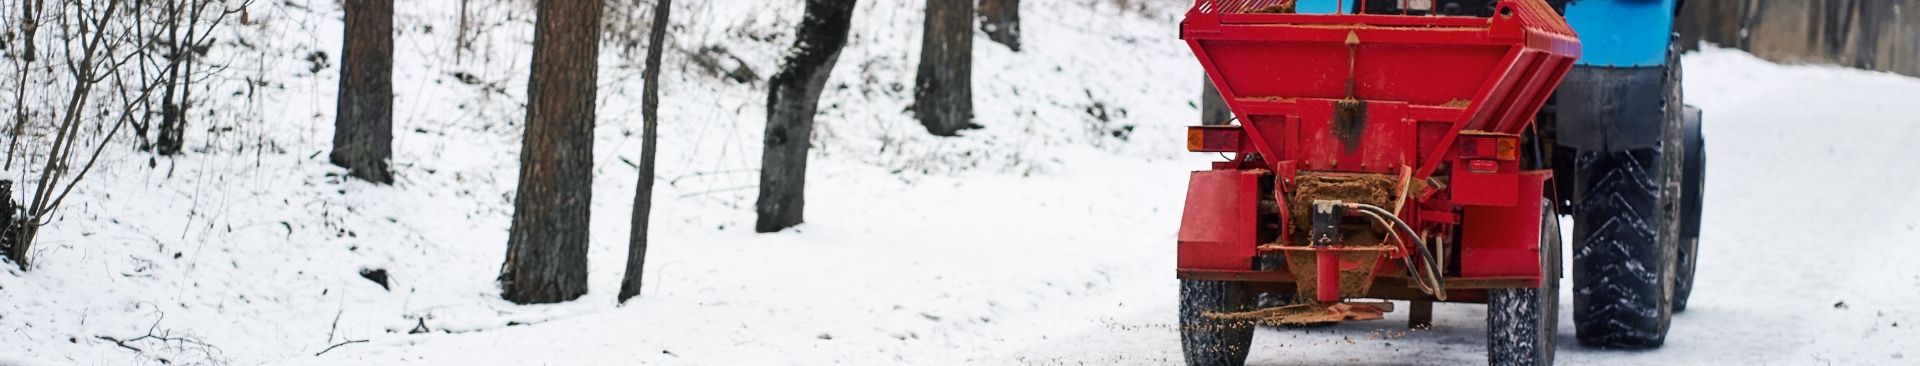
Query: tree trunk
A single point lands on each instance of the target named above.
(10, 246)
(363, 124)
(943, 89)
(547, 242)
(1213, 109)
(169, 112)
(794, 94)
(1001, 20)
(187, 51)
(649, 139)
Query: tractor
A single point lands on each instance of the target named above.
(1424, 151)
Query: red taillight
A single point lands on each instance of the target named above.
(1483, 166)
(1501, 147)
(1213, 138)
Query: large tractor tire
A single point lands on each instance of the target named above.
(1627, 220)
(1207, 341)
(1522, 322)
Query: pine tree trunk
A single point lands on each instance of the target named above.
(943, 90)
(790, 107)
(1213, 109)
(649, 139)
(547, 242)
(363, 124)
(1001, 20)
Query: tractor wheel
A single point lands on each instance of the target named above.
(1625, 266)
(1522, 322)
(1693, 185)
(1206, 341)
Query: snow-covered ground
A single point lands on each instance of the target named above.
(1044, 238)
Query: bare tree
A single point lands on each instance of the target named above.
(463, 36)
(27, 25)
(1001, 20)
(791, 103)
(943, 86)
(77, 80)
(547, 242)
(649, 139)
(363, 124)
(189, 30)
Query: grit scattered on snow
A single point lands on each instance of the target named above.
(1043, 239)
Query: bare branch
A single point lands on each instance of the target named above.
(330, 348)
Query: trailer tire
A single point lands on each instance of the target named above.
(1206, 341)
(1522, 322)
(1627, 219)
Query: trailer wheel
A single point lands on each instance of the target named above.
(1211, 342)
(1522, 322)
(1625, 266)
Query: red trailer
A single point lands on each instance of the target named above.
(1373, 156)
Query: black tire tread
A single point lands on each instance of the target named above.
(1211, 342)
(1627, 223)
(1522, 322)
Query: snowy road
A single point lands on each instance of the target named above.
(1809, 237)
(1810, 206)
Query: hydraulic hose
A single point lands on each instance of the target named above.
(1394, 223)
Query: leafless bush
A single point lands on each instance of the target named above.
(78, 71)
(625, 25)
(180, 32)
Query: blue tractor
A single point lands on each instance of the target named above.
(1632, 163)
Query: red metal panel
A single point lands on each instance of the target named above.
(1484, 189)
(1386, 143)
(1555, 70)
(1389, 142)
(1217, 229)
(1413, 72)
(1504, 241)
(1479, 73)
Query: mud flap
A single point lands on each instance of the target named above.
(1219, 226)
(1604, 108)
(1504, 241)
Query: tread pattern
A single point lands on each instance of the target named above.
(1521, 322)
(1211, 342)
(1514, 333)
(1625, 267)
(1619, 266)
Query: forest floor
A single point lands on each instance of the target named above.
(1043, 239)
